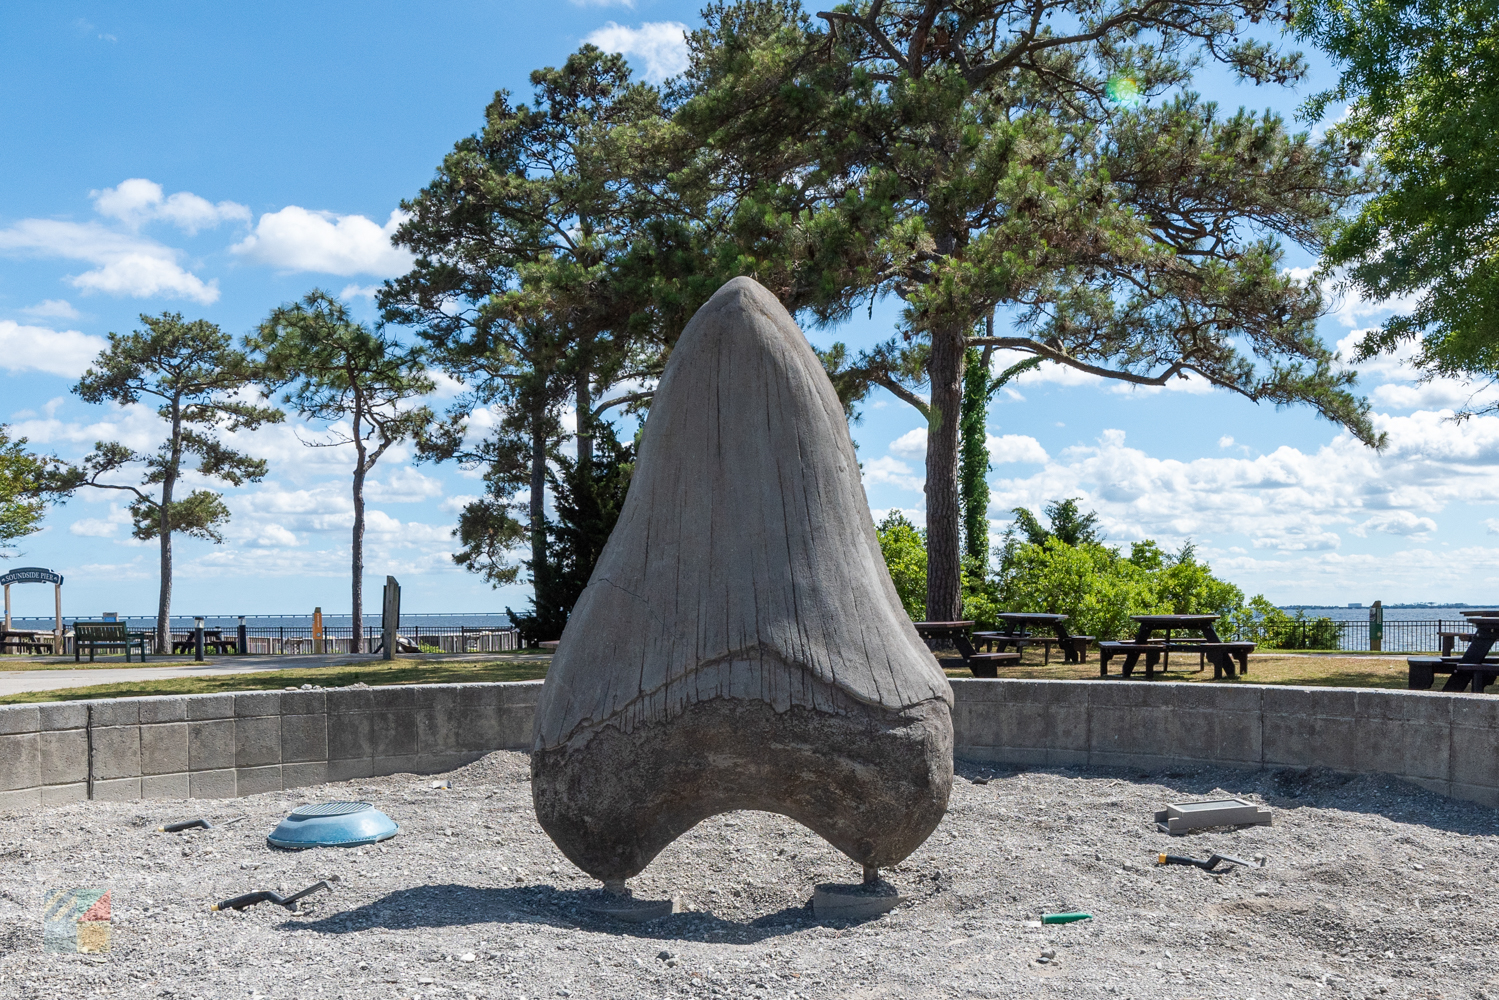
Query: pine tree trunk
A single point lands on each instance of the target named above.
(944, 551)
(357, 547)
(538, 502)
(585, 424)
(164, 526)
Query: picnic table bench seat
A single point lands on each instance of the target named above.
(106, 636)
(1078, 644)
(1154, 649)
(1422, 671)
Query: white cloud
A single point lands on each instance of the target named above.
(51, 309)
(1014, 448)
(273, 536)
(455, 504)
(911, 444)
(1225, 441)
(101, 527)
(1395, 522)
(296, 239)
(129, 264)
(661, 45)
(36, 348)
(892, 471)
(139, 200)
(403, 485)
(355, 291)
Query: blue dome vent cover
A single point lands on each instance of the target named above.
(333, 824)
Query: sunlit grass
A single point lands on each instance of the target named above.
(1370, 670)
(514, 667)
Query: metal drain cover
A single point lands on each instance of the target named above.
(333, 824)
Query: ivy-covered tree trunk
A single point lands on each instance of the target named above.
(538, 508)
(361, 469)
(973, 467)
(944, 550)
(585, 419)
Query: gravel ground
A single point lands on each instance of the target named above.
(1373, 888)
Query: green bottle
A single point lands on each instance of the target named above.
(1064, 918)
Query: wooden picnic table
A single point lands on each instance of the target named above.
(1217, 652)
(942, 635)
(27, 640)
(213, 642)
(1019, 629)
(1474, 669)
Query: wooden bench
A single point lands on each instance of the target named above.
(107, 636)
(34, 643)
(1422, 671)
(1078, 644)
(981, 664)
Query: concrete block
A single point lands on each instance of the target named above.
(1227, 736)
(1414, 749)
(1127, 694)
(1484, 795)
(1335, 703)
(64, 756)
(1474, 753)
(117, 752)
(1130, 729)
(61, 795)
(254, 780)
(1311, 740)
(519, 694)
(164, 786)
(218, 784)
(164, 748)
(303, 703)
(63, 715)
(516, 725)
(1431, 708)
(257, 741)
(304, 738)
(392, 732)
(402, 764)
(19, 719)
(164, 709)
(1475, 711)
(210, 744)
(477, 728)
(210, 706)
(254, 703)
(302, 775)
(350, 736)
(396, 697)
(114, 712)
(20, 800)
(117, 790)
(344, 701)
(351, 767)
(20, 761)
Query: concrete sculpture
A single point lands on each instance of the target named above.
(740, 644)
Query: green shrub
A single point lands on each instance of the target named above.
(904, 547)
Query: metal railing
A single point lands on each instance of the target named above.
(1352, 636)
(293, 640)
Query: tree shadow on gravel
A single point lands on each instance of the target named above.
(1287, 789)
(461, 905)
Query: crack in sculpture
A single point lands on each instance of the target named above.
(741, 645)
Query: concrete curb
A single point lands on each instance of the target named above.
(223, 745)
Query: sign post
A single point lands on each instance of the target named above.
(1376, 627)
(390, 617)
(317, 630)
(36, 574)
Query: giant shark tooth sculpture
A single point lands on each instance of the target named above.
(740, 644)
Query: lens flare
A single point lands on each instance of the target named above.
(1123, 90)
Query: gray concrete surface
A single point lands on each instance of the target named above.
(61, 672)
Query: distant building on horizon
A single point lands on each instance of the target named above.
(1354, 604)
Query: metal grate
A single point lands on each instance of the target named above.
(331, 809)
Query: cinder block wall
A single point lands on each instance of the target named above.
(223, 745)
(1448, 743)
(217, 746)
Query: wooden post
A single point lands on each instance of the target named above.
(1376, 627)
(317, 630)
(57, 632)
(390, 617)
(7, 607)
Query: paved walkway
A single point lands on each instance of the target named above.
(18, 681)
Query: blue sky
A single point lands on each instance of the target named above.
(219, 161)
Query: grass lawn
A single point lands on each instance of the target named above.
(1313, 669)
(1371, 670)
(512, 667)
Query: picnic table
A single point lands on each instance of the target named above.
(1020, 628)
(1475, 669)
(954, 635)
(27, 640)
(1217, 652)
(213, 642)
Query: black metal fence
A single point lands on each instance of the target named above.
(1354, 636)
(299, 639)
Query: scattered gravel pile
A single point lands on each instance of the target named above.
(1372, 888)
